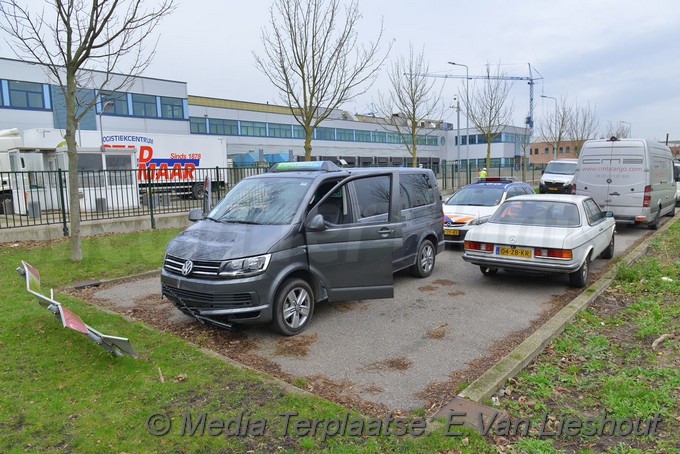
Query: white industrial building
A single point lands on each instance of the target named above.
(161, 113)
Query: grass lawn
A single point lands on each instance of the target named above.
(620, 359)
(61, 392)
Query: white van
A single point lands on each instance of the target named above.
(558, 177)
(633, 178)
(676, 173)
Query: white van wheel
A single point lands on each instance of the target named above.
(293, 307)
(424, 260)
(655, 223)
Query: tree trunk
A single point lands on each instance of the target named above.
(72, 146)
(308, 144)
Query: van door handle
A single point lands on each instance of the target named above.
(385, 231)
(614, 193)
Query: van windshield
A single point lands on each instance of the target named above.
(268, 201)
(561, 168)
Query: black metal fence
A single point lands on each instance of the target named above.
(42, 198)
(454, 177)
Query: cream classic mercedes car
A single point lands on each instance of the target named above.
(543, 233)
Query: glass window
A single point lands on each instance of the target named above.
(280, 130)
(373, 194)
(26, 95)
(253, 128)
(418, 187)
(298, 132)
(380, 136)
(90, 170)
(118, 169)
(344, 134)
(266, 201)
(144, 105)
(198, 125)
(593, 211)
(223, 127)
(393, 138)
(325, 133)
(526, 212)
(88, 121)
(118, 100)
(172, 108)
(362, 136)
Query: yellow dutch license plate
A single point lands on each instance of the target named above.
(451, 232)
(514, 252)
(552, 189)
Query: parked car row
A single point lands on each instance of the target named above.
(278, 243)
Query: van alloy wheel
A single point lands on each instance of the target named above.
(293, 307)
(425, 260)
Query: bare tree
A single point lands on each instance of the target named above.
(554, 128)
(582, 125)
(413, 106)
(619, 130)
(313, 58)
(80, 44)
(487, 107)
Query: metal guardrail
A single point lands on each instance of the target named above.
(42, 197)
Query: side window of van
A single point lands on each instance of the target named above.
(418, 188)
(334, 208)
(373, 198)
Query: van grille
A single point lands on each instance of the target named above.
(200, 300)
(201, 268)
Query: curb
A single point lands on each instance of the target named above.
(490, 381)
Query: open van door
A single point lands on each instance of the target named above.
(352, 233)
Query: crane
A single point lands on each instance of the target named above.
(532, 80)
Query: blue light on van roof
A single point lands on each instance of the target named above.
(302, 166)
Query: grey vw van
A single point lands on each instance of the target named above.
(304, 232)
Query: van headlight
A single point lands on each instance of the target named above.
(246, 267)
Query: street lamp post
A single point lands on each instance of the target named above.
(106, 106)
(556, 126)
(467, 118)
(458, 139)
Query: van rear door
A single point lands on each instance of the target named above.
(353, 257)
(613, 174)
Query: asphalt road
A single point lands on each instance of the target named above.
(385, 350)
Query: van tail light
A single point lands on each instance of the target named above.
(647, 199)
(553, 253)
(477, 246)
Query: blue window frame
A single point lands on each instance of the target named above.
(298, 132)
(279, 130)
(253, 128)
(118, 100)
(144, 105)
(325, 133)
(26, 95)
(198, 125)
(379, 136)
(344, 134)
(222, 127)
(172, 108)
(362, 136)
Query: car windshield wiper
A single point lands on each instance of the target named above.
(227, 221)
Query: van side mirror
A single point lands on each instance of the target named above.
(195, 214)
(609, 214)
(315, 223)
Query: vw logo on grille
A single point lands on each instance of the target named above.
(187, 267)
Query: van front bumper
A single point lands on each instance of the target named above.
(220, 301)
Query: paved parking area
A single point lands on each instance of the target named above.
(406, 352)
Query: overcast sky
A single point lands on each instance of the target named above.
(620, 56)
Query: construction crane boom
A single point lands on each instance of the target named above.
(532, 80)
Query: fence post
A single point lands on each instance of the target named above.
(63, 205)
(149, 193)
(218, 183)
